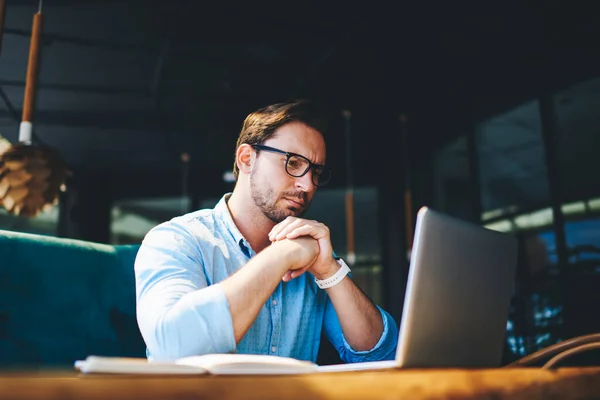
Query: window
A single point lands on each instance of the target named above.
(579, 140)
(452, 180)
(45, 223)
(131, 219)
(581, 290)
(537, 317)
(578, 147)
(329, 207)
(512, 162)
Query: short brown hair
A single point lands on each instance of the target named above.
(262, 124)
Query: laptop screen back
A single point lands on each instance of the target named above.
(460, 283)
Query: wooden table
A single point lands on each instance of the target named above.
(567, 383)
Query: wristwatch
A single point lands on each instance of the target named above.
(335, 278)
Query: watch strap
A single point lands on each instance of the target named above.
(335, 278)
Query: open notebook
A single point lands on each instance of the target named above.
(215, 364)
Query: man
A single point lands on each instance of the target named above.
(233, 278)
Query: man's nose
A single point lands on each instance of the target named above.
(305, 182)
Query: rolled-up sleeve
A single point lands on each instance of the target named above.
(178, 313)
(385, 349)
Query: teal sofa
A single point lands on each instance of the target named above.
(63, 299)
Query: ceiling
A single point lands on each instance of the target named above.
(126, 87)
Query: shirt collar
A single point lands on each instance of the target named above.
(224, 215)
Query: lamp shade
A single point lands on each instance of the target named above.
(31, 178)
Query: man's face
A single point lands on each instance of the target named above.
(276, 193)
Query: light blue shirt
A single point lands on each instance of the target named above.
(182, 309)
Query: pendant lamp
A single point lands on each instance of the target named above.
(31, 175)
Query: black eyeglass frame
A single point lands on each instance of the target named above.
(311, 165)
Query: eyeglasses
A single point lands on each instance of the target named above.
(297, 165)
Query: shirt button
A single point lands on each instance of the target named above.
(274, 302)
(273, 349)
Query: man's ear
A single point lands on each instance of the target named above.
(244, 157)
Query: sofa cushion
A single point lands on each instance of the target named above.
(63, 299)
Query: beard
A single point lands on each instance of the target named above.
(266, 201)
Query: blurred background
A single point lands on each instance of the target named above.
(487, 111)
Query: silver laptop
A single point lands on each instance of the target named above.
(460, 283)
